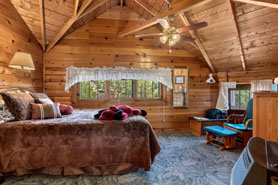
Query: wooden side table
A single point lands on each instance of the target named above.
(197, 125)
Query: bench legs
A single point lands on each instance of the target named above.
(227, 142)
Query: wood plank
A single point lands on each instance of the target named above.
(42, 15)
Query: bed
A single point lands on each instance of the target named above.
(77, 144)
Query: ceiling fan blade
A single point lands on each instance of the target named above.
(193, 27)
(189, 39)
(164, 23)
(149, 35)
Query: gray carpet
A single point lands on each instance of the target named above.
(184, 159)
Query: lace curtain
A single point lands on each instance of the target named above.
(75, 75)
(223, 97)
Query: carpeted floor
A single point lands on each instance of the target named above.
(185, 159)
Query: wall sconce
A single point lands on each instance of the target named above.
(22, 61)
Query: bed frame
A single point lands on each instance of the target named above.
(17, 88)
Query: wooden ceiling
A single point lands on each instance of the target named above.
(242, 35)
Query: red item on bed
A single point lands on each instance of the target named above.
(119, 113)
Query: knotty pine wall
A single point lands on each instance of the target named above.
(16, 36)
(247, 77)
(97, 44)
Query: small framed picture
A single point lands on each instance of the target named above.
(179, 80)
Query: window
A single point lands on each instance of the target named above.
(119, 89)
(93, 90)
(238, 98)
(148, 89)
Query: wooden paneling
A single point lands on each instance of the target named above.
(16, 36)
(265, 116)
(90, 47)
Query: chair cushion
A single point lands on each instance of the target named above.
(240, 127)
(221, 131)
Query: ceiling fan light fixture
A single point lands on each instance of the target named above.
(172, 42)
(164, 39)
(176, 37)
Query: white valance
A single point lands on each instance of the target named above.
(75, 75)
(261, 85)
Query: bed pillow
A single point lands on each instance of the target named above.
(19, 104)
(45, 111)
(66, 109)
(5, 114)
(41, 98)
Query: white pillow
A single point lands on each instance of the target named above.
(46, 101)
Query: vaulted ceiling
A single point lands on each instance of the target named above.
(242, 35)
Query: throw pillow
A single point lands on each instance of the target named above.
(66, 109)
(45, 111)
(40, 98)
(18, 104)
(5, 114)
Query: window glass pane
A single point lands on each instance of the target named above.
(244, 98)
(121, 89)
(148, 89)
(239, 99)
(92, 90)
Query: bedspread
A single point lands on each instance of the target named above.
(77, 144)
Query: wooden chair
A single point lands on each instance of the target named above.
(245, 128)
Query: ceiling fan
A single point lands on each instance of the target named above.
(171, 33)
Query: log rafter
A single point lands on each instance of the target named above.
(266, 3)
(68, 24)
(194, 34)
(177, 8)
(42, 22)
(242, 57)
(147, 7)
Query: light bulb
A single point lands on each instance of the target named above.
(176, 37)
(171, 42)
(164, 39)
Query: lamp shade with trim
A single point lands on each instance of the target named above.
(22, 61)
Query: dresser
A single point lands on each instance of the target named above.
(265, 115)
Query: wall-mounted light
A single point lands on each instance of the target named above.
(22, 61)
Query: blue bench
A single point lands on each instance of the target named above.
(221, 137)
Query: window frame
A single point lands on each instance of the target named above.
(243, 87)
(78, 101)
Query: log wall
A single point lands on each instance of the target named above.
(16, 36)
(97, 44)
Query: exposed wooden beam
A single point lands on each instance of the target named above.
(177, 8)
(42, 21)
(169, 2)
(68, 24)
(242, 58)
(92, 7)
(76, 7)
(194, 34)
(122, 3)
(147, 7)
(267, 3)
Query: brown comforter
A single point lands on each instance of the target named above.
(77, 144)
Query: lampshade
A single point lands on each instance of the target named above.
(22, 61)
